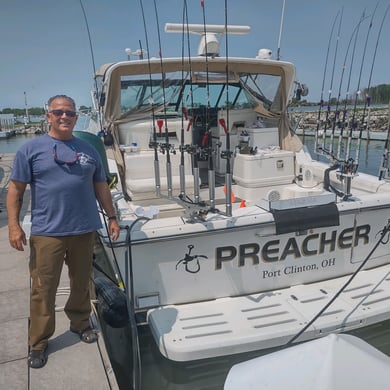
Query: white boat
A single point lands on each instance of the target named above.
(234, 238)
(334, 362)
(7, 124)
(5, 134)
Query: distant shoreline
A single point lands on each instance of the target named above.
(377, 119)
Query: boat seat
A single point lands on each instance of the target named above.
(140, 177)
(139, 132)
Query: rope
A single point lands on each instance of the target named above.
(385, 230)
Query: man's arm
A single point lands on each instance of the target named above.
(17, 237)
(103, 195)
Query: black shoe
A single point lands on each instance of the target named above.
(37, 358)
(88, 335)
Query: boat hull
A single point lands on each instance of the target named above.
(223, 287)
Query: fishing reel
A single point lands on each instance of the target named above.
(348, 168)
(167, 147)
(227, 154)
(193, 212)
(191, 149)
(300, 90)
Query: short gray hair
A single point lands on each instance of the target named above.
(69, 99)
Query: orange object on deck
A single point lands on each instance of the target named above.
(232, 196)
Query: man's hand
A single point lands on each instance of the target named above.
(113, 229)
(17, 237)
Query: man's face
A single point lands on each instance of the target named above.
(62, 118)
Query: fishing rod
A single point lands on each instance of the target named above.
(228, 153)
(384, 167)
(207, 139)
(182, 194)
(153, 144)
(336, 120)
(354, 122)
(331, 88)
(187, 148)
(368, 99)
(350, 124)
(193, 149)
(93, 63)
(346, 168)
(343, 122)
(323, 84)
(165, 147)
(280, 31)
(337, 165)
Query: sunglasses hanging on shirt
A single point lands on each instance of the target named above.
(61, 162)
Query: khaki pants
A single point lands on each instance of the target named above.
(46, 261)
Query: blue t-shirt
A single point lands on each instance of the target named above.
(61, 176)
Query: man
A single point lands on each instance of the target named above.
(66, 177)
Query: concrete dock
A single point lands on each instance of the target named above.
(72, 364)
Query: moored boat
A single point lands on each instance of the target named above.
(7, 124)
(7, 133)
(234, 238)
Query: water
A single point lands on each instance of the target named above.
(11, 145)
(371, 152)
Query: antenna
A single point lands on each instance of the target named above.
(280, 31)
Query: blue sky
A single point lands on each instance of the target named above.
(45, 49)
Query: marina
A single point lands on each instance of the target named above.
(254, 235)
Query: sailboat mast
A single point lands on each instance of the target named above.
(26, 118)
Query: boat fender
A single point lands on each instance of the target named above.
(112, 301)
(108, 139)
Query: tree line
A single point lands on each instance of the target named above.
(380, 94)
(35, 111)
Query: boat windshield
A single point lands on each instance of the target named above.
(140, 94)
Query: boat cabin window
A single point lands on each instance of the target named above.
(140, 94)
